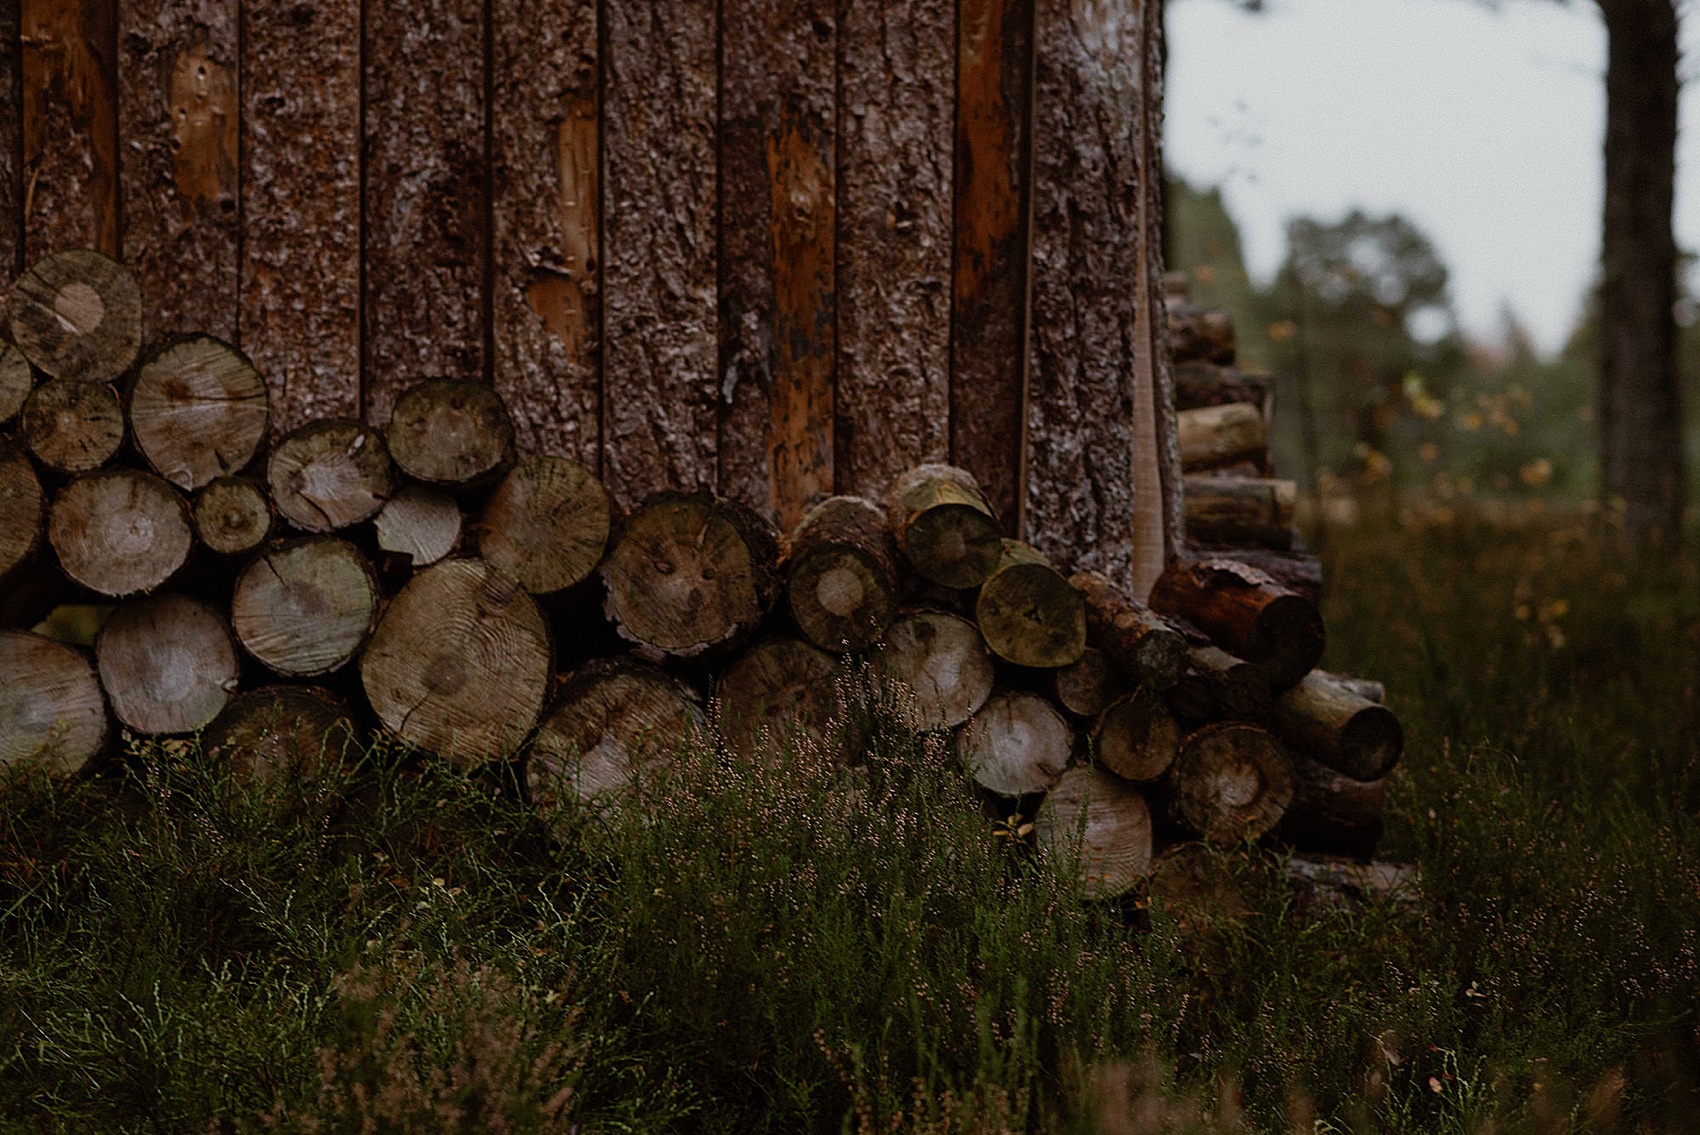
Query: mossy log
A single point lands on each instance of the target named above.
(120, 532)
(547, 524)
(944, 527)
(1098, 828)
(842, 574)
(450, 432)
(167, 663)
(198, 411)
(1245, 612)
(1139, 641)
(1231, 783)
(51, 706)
(934, 669)
(1018, 743)
(1028, 611)
(1324, 719)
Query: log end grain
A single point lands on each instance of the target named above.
(78, 314)
(305, 607)
(1136, 737)
(16, 380)
(167, 663)
(842, 575)
(934, 669)
(1087, 686)
(282, 735)
(779, 698)
(330, 474)
(547, 524)
(451, 432)
(232, 516)
(1231, 783)
(52, 710)
(1017, 744)
(198, 411)
(21, 507)
(1098, 829)
(71, 425)
(421, 523)
(1029, 612)
(944, 527)
(120, 532)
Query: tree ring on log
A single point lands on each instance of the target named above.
(1231, 783)
(51, 706)
(120, 532)
(21, 507)
(547, 524)
(281, 735)
(78, 314)
(330, 474)
(16, 379)
(198, 411)
(1100, 827)
(232, 516)
(450, 432)
(934, 669)
(1017, 744)
(71, 425)
(776, 694)
(167, 663)
(304, 608)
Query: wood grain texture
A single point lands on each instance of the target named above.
(896, 115)
(300, 317)
(70, 125)
(177, 83)
(11, 150)
(425, 246)
(1153, 550)
(545, 185)
(660, 349)
(777, 279)
(994, 77)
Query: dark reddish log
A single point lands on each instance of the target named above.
(460, 663)
(1146, 648)
(51, 707)
(943, 525)
(1194, 884)
(1330, 813)
(1200, 334)
(78, 314)
(21, 508)
(450, 432)
(546, 213)
(119, 532)
(779, 701)
(425, 248)
(167, 664)
(330, 474)
(934, 670)
(691, 574)
(305, 607)
(1234, 689)
(1087, 686)
(1237, 511)
(841, 578)
(232, 516)
(1098, 830)
(1295, 571)
(198, 411)
(11, 150)
(1231, 783)
(1215, 436)
(177, 84)
(994, 81)
(301, 206)
(419, 523)
(1324, 719)
(72, 426)
(282, 735)
(1017, 744)
(1136, 737)
(1205, 384)
(896, 103)
(70, 120)
(1247, 613)
(1029, 612)
(547, 524)
(660, 76)
(16, 378)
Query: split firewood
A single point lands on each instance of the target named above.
(1098, 828)
(776, 695)
(305, 607)
(21, 508)
(120, 532)
(1331, 813)
(1234, 688)
(944, 527)
(1247, 613)
(1200, 334)
(282, 735)
(1205, 384)
(167, 663)
(1231, 783)
(1136, 737)
(449, 432)
(842, 574)
(547, 524)
(1029, 612)
(72, 426)
(1136, 639)
(934, 669)
(16, 380)
(1088, 685)
(78, 314)
(198, 411)
(421, 523)
(1236, 511)
(1295, 571)
(1322, 718)
(232, 515)
(1212, 436)
(330, 474)
(51, 706)
(1018, 743)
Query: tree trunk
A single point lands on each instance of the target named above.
(51, 707)
(934, 669)
(842, 575)
(547, 524)
(1330, 813)
(306, 607)
(1325, 719)
(1017, 744)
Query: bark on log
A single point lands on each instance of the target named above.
(934, 670)
(1199, 384)
(70, 120)
(1367, 688)
(232, 516)
(1234, 688)
(119, 532)
(1130, 634)
(450, 433)
(1330, 813)
(841, 580)
(22, 506)
(1136, 737)
(1098, 829)
(1016, 744)
(198, 411)
(51, 707)
(1231, 783)
(460, 663)
(1247, 613)
(305, 608)
(420, 523)
(72, 426)
(1237, 511)
(1193, 883)
(78, 314)
(1214, 436)
(330, 474)
(1029, 612)
(1324, 719)
(1200, 334)
(780, 698)
(691, 574)
(16, 378)
(11, 150)
(547, 524)
(943, 525)
(282, 735)
(1295, 570)
(167, 664)
(1087, 686)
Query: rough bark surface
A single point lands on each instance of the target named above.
(1240, 511)
(1247, 613)
(70, 120)
(1141, 643)
(1214, 436)
(11, 148)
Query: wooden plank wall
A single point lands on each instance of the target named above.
(776, 248)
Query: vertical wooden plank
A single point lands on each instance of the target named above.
(546, 217)
(1152, 551)
(896, 111)
(1092, 484)
(11, 151)
(300, 316)
(177, 82)
(70, 119)
(425, 249)
(989, 309)
(777, 206)
(659, 276)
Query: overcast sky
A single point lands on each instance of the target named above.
(1482, 126)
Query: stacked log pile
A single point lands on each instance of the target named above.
(277, 594)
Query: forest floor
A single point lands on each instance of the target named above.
(753, 951)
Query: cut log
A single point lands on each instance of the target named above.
(282, 735)
(1017, 744)
(16, 379)
(1029, 612)
(51, 707)
(547, 524)
(198, 411)
(419, 523)
(1237, 511)
(778, 697)
(120, 532)
(1204, 384)
(1213, 436)
(934, 669)
(1200, 334)
(1330, 813)
(1367, 688)
(232, 515)
(1098, 829)
(330, 474)
(1237, 689)
(1295, 571)
(691, 575)
(451, 433)
(78, 314)
(1247, 613)
(460, 662)
(1326, 884)
(1193, 883)
(1322, 718)
(616, 724)
(167, 663)
(1087, 686)
(71, 425)
(305, 607)
(21, 508)
(842, 575)
(1231, 783)
(944, 526)
(1139, 641)
(1136, 737)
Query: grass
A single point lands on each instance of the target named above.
(403, 948)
